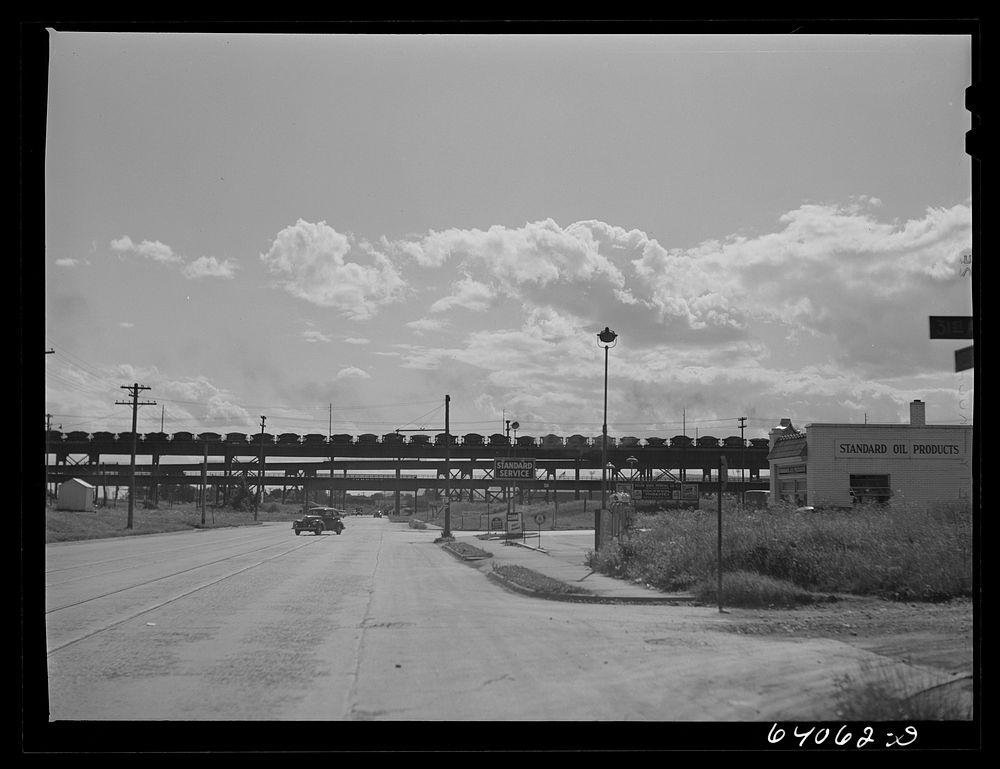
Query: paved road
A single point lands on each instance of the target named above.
(381, 623)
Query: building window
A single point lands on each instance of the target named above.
(870, 488)
(793, 490)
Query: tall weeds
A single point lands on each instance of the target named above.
(902, 551)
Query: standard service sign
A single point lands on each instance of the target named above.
(508, 469)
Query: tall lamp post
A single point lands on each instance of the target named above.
(606, 339)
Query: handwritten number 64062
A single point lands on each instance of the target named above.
(841, 738)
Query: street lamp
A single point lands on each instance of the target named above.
(606, 339)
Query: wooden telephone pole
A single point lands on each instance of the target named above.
(134, 403)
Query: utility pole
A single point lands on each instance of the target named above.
(48, 418)
(48, 428)
(506, 488)
(204, 483)
(743, 485)
(134, 391)
(446, 534)
(260, 486)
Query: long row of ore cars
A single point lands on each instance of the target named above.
(441, 439)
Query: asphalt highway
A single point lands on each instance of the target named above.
(381, 623)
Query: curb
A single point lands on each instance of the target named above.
(586, 597)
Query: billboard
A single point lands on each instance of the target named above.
(508, 469)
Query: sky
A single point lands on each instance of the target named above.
(334, 232)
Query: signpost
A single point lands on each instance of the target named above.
(955, 327)
(511, 469)
(507, 469)
(539, 519)
(951, 326)
(965, 359)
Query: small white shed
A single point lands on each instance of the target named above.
(77, 495)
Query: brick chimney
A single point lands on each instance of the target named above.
(785, 428)
(917, 414)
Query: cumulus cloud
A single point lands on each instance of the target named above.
(427, 325)
(209, 267)
(154, 250)
(819, 310)
(352, 372)
(148, 249)
(312, 335)
(320, 265)
(467, 293)
(356, 340)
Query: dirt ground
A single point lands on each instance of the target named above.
(933, 635)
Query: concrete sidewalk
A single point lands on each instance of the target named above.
(562, 556)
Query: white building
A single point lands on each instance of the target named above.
(75, 494)
(838, 465)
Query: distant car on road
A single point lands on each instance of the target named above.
(318, 520)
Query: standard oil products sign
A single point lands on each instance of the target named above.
(897, 449)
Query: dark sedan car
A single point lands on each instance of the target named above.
(318, 520)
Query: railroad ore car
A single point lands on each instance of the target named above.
(709, 441)
(628, 442)
(103, 436)
(655, 443)
(53, 436)
(441, 439)
(681, 441)
(392, 438)
(368, 438)
(316, 438)
(236, 437)
(77, 435)
(760, 443)
(288, 439)
(734, 441)
(265, 438)
(473, 439)
(152, 437)
(551, 441)
(576, 441)
(182, 436)
(207, 437)
(598, 441)
(127, 437)
(499, 439)
(526, 440)
(420, 440)
(341, 438)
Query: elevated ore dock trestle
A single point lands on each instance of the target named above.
(394, 464)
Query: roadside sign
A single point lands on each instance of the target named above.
(496, 523)
(539, 518)
(951, 326)
(508, 469)
(965, 359)
(650, 490)
(513, 523)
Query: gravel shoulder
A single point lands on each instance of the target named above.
(933, 635)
